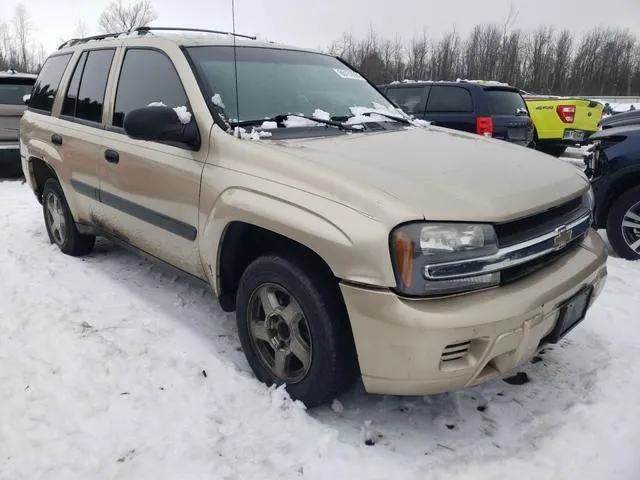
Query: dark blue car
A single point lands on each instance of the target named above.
(613, 166)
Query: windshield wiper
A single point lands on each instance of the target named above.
(279, 119)
(387, 115)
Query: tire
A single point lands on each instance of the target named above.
(621, 238)
(553, 150)
(63, 232)
(332, 365)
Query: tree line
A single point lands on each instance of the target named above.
(19, 52)
(603, 62)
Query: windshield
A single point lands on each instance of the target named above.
(273, 82)
(505, 102)
(12, 90)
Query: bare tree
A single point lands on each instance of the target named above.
(605, 61)
(22, 27)
(445, 57)
(120, 18)
(418, 58)
(17, 50)
(81, 30)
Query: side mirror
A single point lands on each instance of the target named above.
(26, 98)
(160, 123)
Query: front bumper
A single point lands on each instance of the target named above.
(405, 346)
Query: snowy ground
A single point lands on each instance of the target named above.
(114, 368)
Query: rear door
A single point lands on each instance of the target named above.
(80, 128)
(451, 106)
(510, 115)
(410, 98)
(13, 87)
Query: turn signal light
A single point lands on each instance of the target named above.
(403, 249)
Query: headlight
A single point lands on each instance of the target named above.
(416, 245)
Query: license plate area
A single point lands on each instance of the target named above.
(577, 135)
(571, 313)
(517, 134)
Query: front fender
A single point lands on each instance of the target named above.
(353, 245)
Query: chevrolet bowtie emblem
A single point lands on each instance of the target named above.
(562, 238)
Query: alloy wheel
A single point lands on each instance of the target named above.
(631, 228)
(279, 332)
(56, 219)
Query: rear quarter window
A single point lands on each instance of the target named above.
(449, 99)
(48, 82)
(408, 99)
(505, 102)
(13, 89)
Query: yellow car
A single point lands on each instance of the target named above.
(562, 121)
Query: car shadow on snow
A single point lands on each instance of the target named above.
(492, 420)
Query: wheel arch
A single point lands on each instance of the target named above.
(243, 242)
(353, 246)
(623, 182)
(39, 172)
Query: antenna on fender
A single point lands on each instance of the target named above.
(235, 62)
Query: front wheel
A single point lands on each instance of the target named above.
(294, 329)
(623, 225)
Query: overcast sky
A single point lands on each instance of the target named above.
(315, 23)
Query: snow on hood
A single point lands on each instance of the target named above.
(253, 135)
(360, 115)
(292, 121)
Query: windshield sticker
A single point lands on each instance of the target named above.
(348, 74)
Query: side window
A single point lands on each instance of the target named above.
(48, 82)
(69, 104)
(147, 76)
(12, 89)
(449, 99)
(408, 99)
(93, 85)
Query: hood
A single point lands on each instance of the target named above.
(435, 173)
(616, 131)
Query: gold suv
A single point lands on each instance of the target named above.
(350, 239)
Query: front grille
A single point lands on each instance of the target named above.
(516, 273)
(523, 229)
(455, 351)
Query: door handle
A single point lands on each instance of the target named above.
(56, 139)
(111, 156)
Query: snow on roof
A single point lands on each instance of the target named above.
(483, 82)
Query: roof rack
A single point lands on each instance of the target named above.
(75, 41)
(144, 31)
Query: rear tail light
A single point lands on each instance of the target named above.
(484, 126)
(567, 113)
